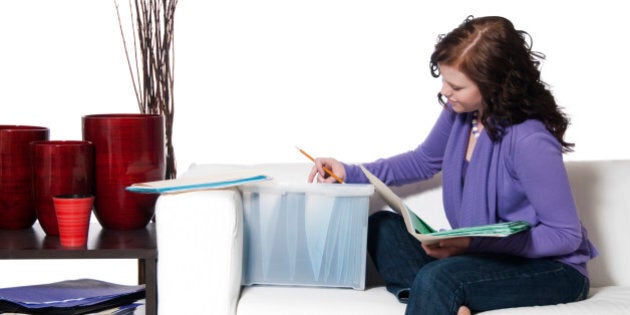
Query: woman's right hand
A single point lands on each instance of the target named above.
(318, 174)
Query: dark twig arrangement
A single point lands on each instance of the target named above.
(151, 62)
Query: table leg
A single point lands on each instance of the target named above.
(147, 275)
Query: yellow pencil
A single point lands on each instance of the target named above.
(329, 172)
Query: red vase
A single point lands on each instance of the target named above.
(128, 149)
(16, 204)
(59, 168)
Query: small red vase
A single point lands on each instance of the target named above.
(128, 149)
(59, 168)
(16, 203)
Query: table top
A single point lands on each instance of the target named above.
(33, 243)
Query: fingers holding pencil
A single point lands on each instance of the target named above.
(327, 170)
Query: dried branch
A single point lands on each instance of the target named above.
(152, 23)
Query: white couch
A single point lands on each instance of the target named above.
(200, 243)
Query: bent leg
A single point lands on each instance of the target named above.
(397, 255)
(488, 282)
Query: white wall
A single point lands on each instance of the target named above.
(336, 77)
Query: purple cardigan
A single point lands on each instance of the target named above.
(521, 177)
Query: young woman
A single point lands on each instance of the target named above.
(498, 143)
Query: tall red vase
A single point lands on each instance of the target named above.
(17, 210)
(128, 148)
(59, 168)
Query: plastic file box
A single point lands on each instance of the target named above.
(305, 235)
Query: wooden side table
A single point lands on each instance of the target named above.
(140, 244)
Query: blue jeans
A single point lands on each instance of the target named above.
(481, 282)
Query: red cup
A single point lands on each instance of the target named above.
(73, 217)
(59, 168)
(16, 204)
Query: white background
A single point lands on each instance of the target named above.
(342, 78)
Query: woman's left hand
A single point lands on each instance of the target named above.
(447, 247)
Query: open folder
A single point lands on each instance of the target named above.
(211, 181)
(425, 233)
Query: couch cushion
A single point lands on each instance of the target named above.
(276, 300)
(262, 300)
(613, 300)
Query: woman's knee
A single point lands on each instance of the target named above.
(435, 275)
(383, 222)
(435, 290)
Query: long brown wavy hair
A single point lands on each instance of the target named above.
(499, 59)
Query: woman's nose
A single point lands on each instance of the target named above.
(446, 91)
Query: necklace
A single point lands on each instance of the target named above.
(475, 129)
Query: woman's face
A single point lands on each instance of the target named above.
(462, 93)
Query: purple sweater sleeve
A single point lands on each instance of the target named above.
(538, 168)
(418, 164)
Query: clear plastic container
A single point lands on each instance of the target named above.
(305, 235)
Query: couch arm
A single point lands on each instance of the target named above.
(200, 251)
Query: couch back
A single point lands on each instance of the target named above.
(602, 193)
(601, 190)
